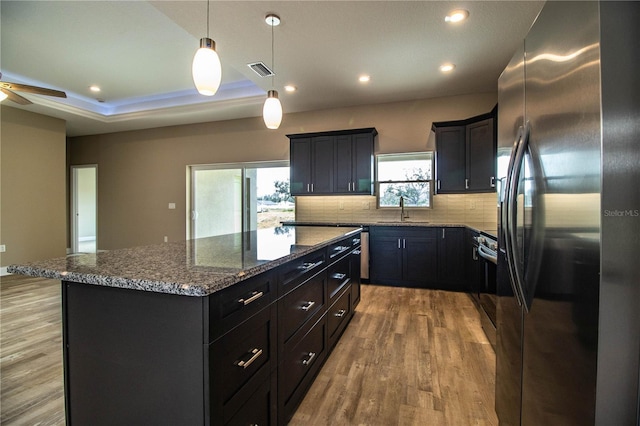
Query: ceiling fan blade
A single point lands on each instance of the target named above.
(33, 89)
(15, 97)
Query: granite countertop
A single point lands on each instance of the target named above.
(191, 268)
(492, 232)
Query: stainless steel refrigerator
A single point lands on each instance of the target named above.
(568, 314)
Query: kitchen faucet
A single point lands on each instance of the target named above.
(402, 216)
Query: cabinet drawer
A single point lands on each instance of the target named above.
(242, 359)
(233, 305)
(300, 305)
(298, 270)
(338, 316)
(335, 250)
(302, 358)
(259, 409)
(338, 276)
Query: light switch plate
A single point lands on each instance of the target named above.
(172, 206)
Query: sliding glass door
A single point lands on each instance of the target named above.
(229, 198)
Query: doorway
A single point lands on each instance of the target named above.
(84, 208)
(230, 198)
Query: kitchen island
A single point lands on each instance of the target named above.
(221, 330)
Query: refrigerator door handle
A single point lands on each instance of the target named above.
(513, 215)
(506, 206)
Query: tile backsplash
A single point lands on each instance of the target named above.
(476, 210)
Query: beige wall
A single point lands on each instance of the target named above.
(33, 222)
(140, 172)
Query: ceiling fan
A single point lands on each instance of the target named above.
(9, 89)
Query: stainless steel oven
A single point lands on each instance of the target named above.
(487, 254)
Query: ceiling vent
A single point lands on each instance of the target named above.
(261, 69)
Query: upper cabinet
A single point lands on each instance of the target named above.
(466, 154)
(337, 162)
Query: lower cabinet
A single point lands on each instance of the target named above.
(403, 256)
(451, 265)
(412, 256)
(244, 355)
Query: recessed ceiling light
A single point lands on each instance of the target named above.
(457, 15)
(290, 88)
(447, 67)
(94, 88)
(364, 78)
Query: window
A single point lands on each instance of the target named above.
(408, 175)
(229, 198)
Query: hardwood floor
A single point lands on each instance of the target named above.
(31, 385)
(409, 357)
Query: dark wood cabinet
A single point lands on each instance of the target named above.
(481, 155)
(403, 256)
(336, 162)
(311, 165)
(450, 159)
(466, 154)
(430, 257)
(451, 269)
(474, 270)
(246, 354)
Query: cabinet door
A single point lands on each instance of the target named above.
(362, 164)
(450, 159)
(451, 257)
(322, 164)
(344, 160)
(300, 166)
(481, 155)
(420, 259)
(474, 267)
(385, 254)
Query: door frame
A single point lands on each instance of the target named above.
(245, 208)
(74, 204)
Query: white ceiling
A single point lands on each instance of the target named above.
(140, 53)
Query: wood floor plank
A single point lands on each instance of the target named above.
(31, 384)
(417, 357)
(409, 357)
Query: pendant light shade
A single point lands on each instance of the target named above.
(272, 110)
(206, 69)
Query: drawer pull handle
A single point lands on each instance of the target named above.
(254, 296)
(355, 241)
(357, 252)
(340, 313)
(339, 276)
(311, 356)
(255, 353)
(308, 265)
(308, 306)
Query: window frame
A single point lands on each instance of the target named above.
(430, 158)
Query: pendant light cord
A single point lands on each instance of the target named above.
(208, 18)
(273, 65)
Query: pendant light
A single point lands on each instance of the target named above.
(206, 69)
(272, 110)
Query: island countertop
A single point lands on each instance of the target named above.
(196, 267)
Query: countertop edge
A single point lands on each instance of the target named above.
(219, 281)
